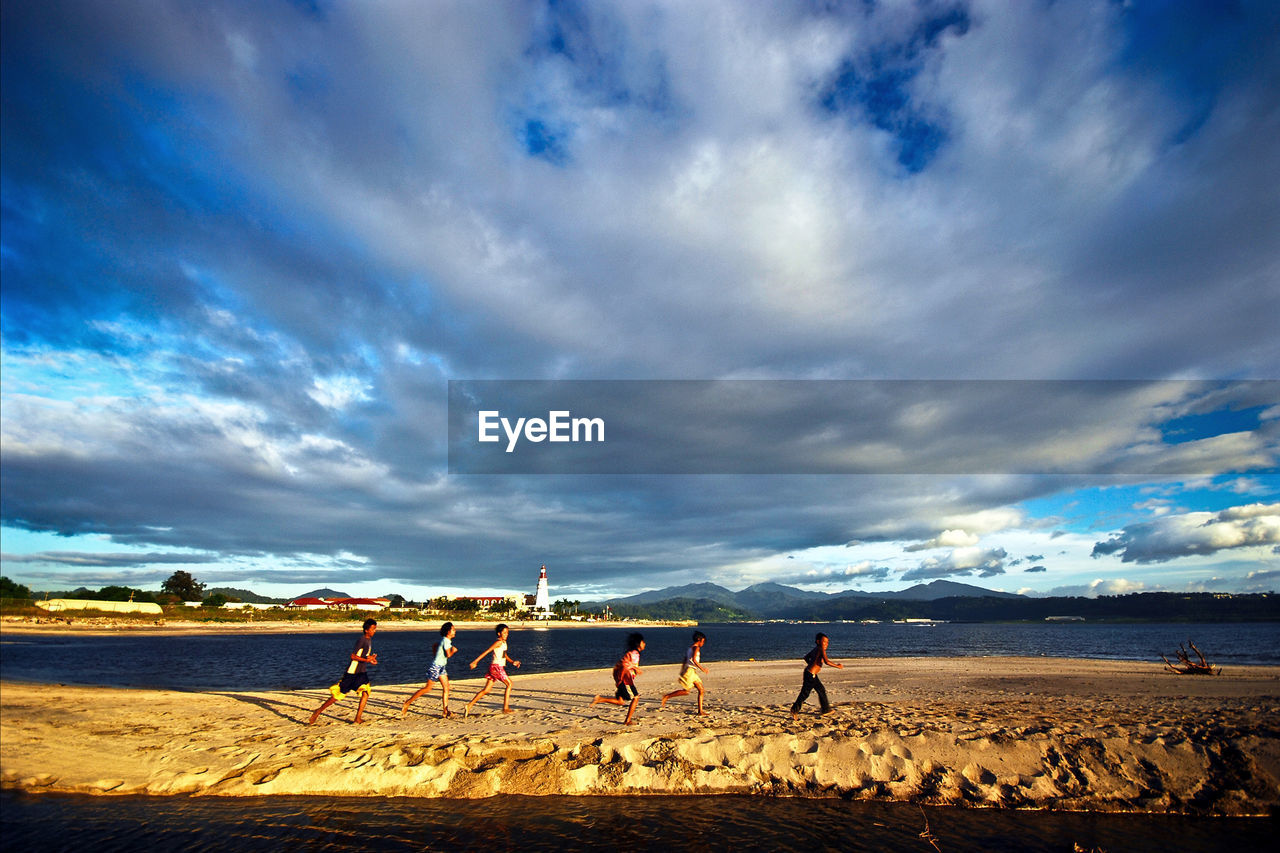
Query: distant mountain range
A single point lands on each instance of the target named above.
(252, 597)
(941, 600)
(763, 600)
(776, 601)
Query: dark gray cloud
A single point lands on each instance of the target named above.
(121, 560)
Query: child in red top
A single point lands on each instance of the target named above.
(624, 676)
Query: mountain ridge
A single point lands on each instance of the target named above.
(774, 600)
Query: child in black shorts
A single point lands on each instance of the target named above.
(355, 678)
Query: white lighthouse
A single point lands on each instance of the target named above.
(542, 598)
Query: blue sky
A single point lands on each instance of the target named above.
(245, 246)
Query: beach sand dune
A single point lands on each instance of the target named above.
(1009, 732)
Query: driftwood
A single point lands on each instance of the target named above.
(1186, 666)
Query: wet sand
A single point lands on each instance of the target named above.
(1007, 732)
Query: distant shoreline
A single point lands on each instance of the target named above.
(180, 627)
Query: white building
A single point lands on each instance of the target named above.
(542, 598)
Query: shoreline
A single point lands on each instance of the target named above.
(1047, 733)
(108, 625)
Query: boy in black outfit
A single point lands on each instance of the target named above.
(813, 665)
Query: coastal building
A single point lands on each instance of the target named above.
(309, 603)
(485, 603)
(359, 603)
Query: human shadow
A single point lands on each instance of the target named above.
(274, 706)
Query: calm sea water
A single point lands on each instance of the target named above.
(514, 823)
(305, 661)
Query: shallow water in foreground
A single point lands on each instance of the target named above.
(509, 823)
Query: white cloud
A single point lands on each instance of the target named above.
(946, 539)
(338, 392)
(985, 562)
(1195, 533)
(863, 572)
(1100, 586)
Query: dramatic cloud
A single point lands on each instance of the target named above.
(1195, 533)
(247, 246)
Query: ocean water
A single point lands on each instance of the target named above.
(312, 660)
(518, 823)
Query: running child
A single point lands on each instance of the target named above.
(443, 650)
(497, 671)
(624, 676)
(689, 673)
(355, 678)
(813, 665)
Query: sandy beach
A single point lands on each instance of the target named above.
(1007, 732)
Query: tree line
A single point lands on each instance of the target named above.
(182, 586)
(1139, 606)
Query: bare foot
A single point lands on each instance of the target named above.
(466, 711)
(795, 716)
(448, 715)
(594, 702)
(507, 711)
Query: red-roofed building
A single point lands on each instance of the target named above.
(309, 603)
(359, 603)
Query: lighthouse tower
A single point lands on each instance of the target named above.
(542, 598)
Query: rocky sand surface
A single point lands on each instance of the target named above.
(1008, 732)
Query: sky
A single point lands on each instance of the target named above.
(246, 246)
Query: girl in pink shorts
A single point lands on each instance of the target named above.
(497, 671)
